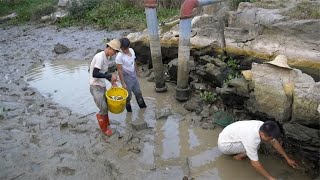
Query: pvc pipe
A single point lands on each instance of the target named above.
(155, 47)
(184, 45)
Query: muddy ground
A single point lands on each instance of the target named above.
(39, 139)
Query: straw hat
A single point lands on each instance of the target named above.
(280, 61)
(114, 44)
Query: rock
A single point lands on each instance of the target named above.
(216, 75)
(60, 48)
(269, 96)
(200, 87)
(306, 100)
(193, 105)
(151, 77)
(139, 125)
(63, 3)
(164, 113)
(304, 139)
(205, 113)
(173, 67)
(8, 17)
(215, 61)
(193, 118)
(240, 85)
(206, 125)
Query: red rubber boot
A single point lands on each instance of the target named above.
(108, 130)
(102, 123)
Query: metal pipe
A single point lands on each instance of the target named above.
(182, 89)
(155, 47)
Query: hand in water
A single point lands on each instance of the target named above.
(292, 163)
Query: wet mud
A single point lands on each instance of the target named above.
(48, 128)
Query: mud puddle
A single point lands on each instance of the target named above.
(170, 147)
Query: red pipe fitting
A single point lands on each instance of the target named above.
(187, 7)
(150, 3)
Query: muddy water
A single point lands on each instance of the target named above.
(172, 148)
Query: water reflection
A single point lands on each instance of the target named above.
(193, 139)
(66, 82)
(171, 140)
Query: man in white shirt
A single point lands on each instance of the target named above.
(98, 75)
(243, 139)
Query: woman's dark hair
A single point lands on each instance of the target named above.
(271, 129)
(125, 43)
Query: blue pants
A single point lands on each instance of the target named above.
(133, 86)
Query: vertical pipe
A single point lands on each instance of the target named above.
(182, 89)
(155, 47)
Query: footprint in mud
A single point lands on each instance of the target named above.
(65, 171)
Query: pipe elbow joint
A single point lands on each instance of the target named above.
(150, 3)
(187, 7)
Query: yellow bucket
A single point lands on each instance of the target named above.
(116, 106)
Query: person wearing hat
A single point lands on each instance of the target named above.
(243, 138)
(98, 74)
(128, 73)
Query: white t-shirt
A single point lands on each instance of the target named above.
(100, 61)
(127, 62)
(246, 132)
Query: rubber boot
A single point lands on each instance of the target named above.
(108, 130)
(128, 107)
(102, 123)
(141, 103)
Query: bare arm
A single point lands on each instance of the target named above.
(258, 166)
(120, 72)
(276, 145)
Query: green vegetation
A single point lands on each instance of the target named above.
(233, 64)
(209, 97)
(109, 14)
(305, 10)
(27, 10)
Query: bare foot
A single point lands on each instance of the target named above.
(239, 156)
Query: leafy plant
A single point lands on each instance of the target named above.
(208, 96)
(233, 64)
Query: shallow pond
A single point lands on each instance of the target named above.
(175, 147)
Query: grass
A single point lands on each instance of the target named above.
(27, 10)
(305, 10)
(113, 15)
(108, 14)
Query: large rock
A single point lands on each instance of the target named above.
(306, 100)
(173, 67)
(269, 96)
(305, 139)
